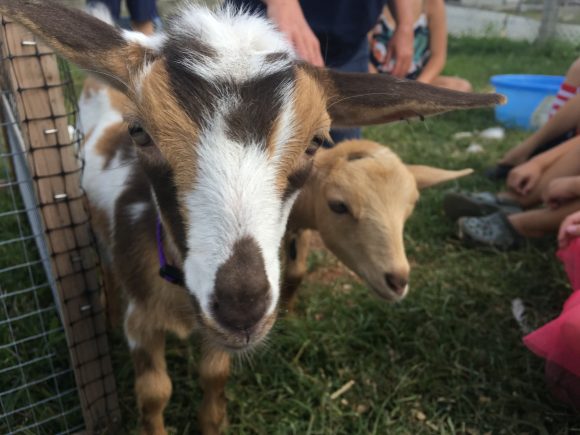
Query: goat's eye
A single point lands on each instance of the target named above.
(316, 143)
(139, 136)
(338, 207)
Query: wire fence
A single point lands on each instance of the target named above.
(55, 372)
(37, 388)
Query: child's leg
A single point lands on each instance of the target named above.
(543, 221)
(567, 165)
(453, 83)
(563, 121)
(569, 88)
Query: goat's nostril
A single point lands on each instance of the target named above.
(396, 282)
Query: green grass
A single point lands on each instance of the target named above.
(451, 352)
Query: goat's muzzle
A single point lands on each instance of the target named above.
(242, 297)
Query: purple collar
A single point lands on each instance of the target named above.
(168, 272)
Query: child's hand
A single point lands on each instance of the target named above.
(561, 190)
(289, 18)
(523, 178)
(400, 49)
(569, 229)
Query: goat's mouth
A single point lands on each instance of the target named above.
(237, 340)
(387, 293)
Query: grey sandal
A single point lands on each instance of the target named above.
(457, 204)
(494, 230)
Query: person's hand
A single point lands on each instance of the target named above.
(561, 190)
(400, 49)
(288, 16)
(569, 229)
(523, 178)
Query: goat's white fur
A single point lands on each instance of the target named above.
(241, 41)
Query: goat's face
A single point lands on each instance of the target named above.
(226, 122)
(364, 196)
(230, 146)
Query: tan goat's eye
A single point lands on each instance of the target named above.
(316, 143)
(139, 136)
(338, 207)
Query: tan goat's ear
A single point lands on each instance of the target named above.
(427, 176)
(355, 99)
(80, 38)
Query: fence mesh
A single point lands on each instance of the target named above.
(37, 389)
(55, 371)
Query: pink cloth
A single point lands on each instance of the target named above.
(558, 341)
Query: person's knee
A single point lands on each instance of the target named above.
(453, 83)
(463, 85)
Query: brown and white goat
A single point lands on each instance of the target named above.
(358, 198)
(212, 132)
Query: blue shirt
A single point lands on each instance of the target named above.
(341, 26)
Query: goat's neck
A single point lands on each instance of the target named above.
(303, 215)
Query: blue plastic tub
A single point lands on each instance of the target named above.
(524, 93)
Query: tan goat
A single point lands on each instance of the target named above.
(358, 198)
(192, 168)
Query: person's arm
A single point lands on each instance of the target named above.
(401, 44)
(437, 23)
(545, 159)
(288, 16)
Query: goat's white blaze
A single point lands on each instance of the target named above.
(234, 196)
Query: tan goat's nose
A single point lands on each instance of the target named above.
(397, 283)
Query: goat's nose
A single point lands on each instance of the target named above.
(240, 314)
(397, 283)
(241, 293)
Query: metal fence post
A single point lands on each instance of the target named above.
(549, 20)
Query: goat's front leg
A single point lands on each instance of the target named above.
(296, 246)
(214, 371)
(152, 384)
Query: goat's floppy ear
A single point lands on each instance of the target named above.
(427, 176)
(80, 38)
(355, 99)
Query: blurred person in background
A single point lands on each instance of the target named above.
(430, 45)
(143, 13)
(561, 126)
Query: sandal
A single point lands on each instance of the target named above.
(498, 172)
(457, 204)
(495, 231)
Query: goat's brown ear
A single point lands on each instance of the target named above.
(82, 39)
(427, 176)
(356, 99)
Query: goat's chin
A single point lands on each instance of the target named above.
(237, 341)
